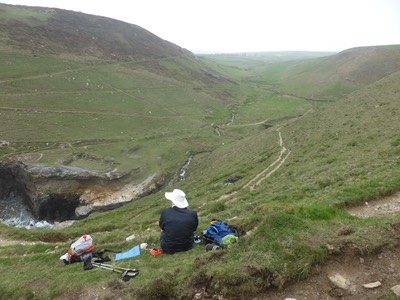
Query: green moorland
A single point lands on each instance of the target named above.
(329, 78)
(151, 113)
(340, 154)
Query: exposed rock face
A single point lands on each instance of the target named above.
(68, 193)
(16, 182)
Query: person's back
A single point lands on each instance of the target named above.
(178, 224)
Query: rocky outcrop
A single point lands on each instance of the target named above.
(16, 182)
(68, 193)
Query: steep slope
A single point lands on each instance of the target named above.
(349, 151)
(345, 154)
(73, 68)
(99, 106)
(332, 77)
(55, 31)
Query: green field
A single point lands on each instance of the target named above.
(56, 109)
(307, 137)
(286, 220)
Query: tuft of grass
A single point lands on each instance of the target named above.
(318, 212)
(216, 207)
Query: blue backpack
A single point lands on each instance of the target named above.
(217, 230)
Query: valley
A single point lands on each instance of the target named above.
(98, 118)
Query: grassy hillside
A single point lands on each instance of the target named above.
(331, 77)
(91, 105)
(57, 114)
(299, 164)
(37, 31)
(69, 107)
(249, 61)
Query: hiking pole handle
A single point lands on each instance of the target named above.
(129, 274)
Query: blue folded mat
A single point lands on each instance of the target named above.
(135, 251)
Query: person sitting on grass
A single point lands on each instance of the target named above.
(178, 224)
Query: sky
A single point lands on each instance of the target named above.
(232, 26)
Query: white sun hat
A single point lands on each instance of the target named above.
(178, 198)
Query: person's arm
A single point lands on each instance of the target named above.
(161, 221)
(196, 221)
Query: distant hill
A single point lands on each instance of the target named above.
(260, 58)
(332, 77)
(365, 65)
(57, 31)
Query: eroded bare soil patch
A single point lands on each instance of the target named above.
(357, 270)
(386, 206)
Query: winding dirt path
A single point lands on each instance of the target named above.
(272, 168)
(265, 173)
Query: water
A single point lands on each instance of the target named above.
(14, 213)
(182, 173)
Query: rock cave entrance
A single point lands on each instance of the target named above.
(38, 196)
(59, 208)
(20, 205)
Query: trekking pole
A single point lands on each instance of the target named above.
(126, 274)
(111, 267)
